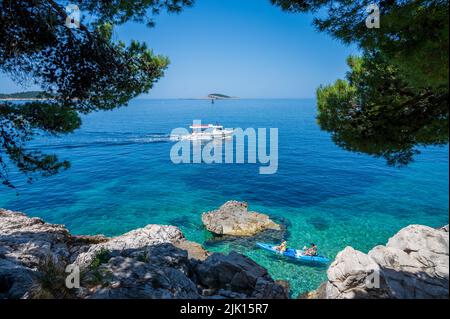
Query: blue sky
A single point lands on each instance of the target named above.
(248, 48)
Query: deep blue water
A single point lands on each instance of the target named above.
(122, 178)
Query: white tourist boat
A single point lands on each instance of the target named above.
(207, 132)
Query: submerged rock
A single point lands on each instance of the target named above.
(413, 264)
(234, 219)
(319, 223)
(319, 293)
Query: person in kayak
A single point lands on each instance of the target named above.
(282, 248)
(311, 251)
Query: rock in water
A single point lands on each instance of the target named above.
(414, 264)
(234, 219)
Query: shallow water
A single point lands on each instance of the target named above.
(122, 178)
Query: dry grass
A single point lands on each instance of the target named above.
(51, 282)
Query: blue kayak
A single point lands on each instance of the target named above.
(295, 254)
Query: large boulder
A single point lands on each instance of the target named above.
(165, 271)
(150, 235)
(31, 239)
(15, 279)
(413, 264)
(25, 244)
(234, 219)
(160, 271)
(238, 273)
(352, 275)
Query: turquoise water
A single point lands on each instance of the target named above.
(122, 178)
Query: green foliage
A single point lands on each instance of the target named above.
(143, 257)
(95, 274)
(83, 70)
(413, 35)
(18, 124)
(100, 258)
(396, 95)
(24, 95)
(51, 282)
(377, 112)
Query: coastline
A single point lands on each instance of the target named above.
(154, 262)
(208, 98)
(190, 99)
(413, 264)
(24, 99)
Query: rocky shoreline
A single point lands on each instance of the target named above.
(151, 262)
(159, 262)
(414, 264)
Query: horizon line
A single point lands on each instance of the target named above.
(235, 98)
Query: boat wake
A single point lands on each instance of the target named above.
(99, 139)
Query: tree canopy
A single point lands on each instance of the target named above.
(413, 35)
(394, 98)
(377, 112)
(396, 95)
(82, 69)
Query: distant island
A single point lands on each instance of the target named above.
(41, 95)
(219, 96)
(30, 95)
(213, 96)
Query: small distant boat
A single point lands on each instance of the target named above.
(295, 254)
(207, 132)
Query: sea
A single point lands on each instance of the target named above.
(122, 177)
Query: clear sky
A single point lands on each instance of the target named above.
(245, 48)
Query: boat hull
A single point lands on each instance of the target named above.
(207, 136)
(295, 254)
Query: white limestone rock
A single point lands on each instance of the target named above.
(234, 219)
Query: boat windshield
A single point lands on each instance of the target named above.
(203, 128)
